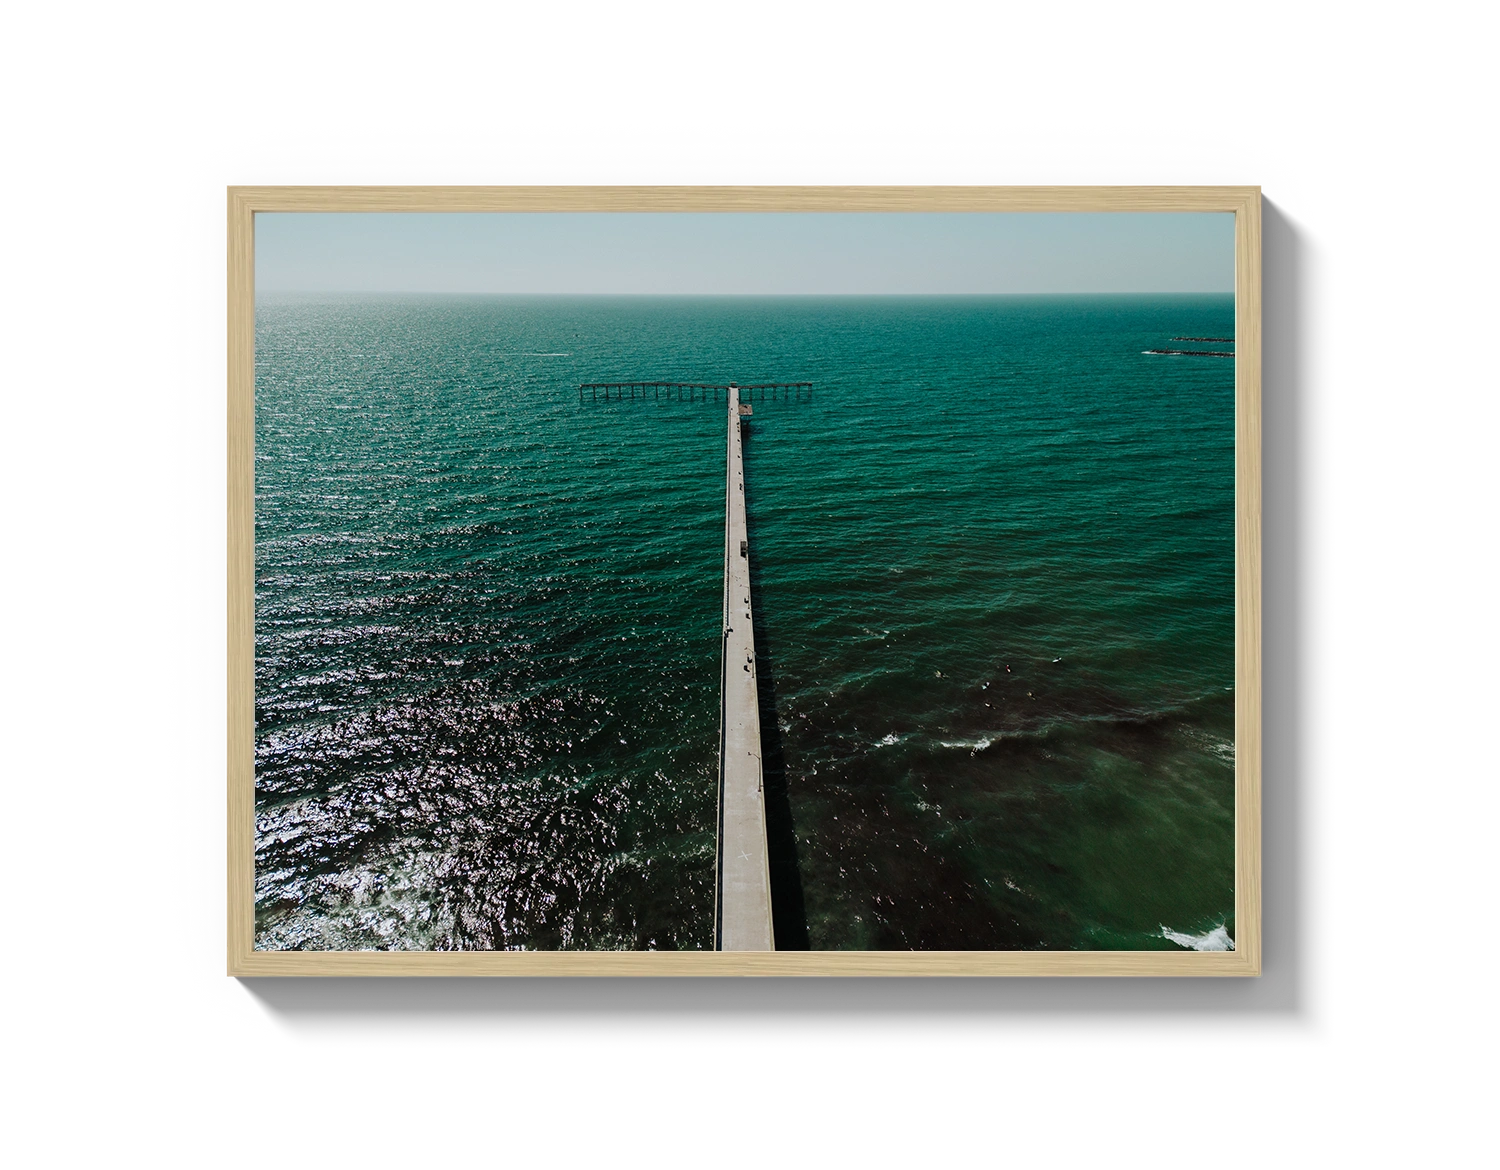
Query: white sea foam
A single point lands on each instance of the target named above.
(1216, 939)
(892, 738)
(974, 745)
(1215, 745)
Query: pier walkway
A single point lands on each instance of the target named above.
(742, 912)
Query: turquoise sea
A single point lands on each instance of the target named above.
(993, 561)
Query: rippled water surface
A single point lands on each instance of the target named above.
(994, 586)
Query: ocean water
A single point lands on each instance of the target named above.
(993, 563)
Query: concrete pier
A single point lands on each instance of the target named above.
(742, 913)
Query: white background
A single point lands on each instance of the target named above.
(1368, 1041)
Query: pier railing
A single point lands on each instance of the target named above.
(695, 391)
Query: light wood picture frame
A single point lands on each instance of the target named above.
(244, 203)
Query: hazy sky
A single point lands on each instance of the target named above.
(840, 252)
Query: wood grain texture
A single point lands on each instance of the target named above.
(1247, 643)
(244, 202)
(769, 199)
(764, 963)
(241, 681)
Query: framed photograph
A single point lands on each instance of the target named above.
(744, 581)
(486, 639)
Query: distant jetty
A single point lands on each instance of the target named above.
(1192, 352)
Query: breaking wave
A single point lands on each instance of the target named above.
(1216, 939)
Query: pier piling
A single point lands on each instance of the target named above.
(696, 391)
